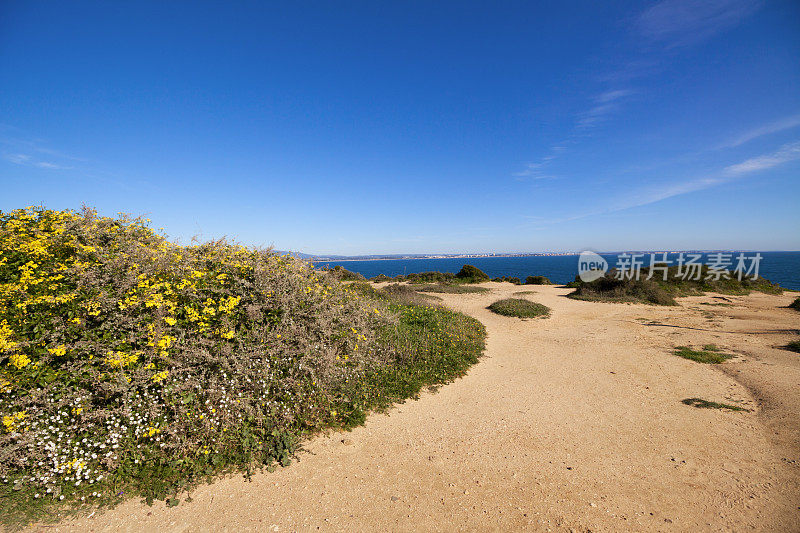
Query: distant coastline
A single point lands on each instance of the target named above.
(411, 257)
(323, 259)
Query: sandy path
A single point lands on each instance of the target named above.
(569, 423)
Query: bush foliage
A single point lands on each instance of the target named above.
(660, 291)
(519, 307)
(471, 274)
(131, 364)
(342, 274)
(537, 280)
(508, 279)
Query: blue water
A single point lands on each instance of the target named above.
(782, 268)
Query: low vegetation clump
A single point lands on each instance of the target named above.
(610, 289)
(444, 288)
(507, 279)
(519, 308)
(793, 346)
(663, 292)
(406, 294)
(795, 304)
(537, 280)
(467, 274)
(342, 274)
(427, 277)
(133, 366)
(710, 354)
(705, 404)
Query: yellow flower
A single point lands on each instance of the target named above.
(58, 350)
(120, 359)
(19, 360)
(165, 342)
(169, 320)
(160, 376)
(11, 421)
(6, 344)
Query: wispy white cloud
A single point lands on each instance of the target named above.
(29, 160)
(656, 193)
(678, 23)
(604, 104)
(783, 124)
(787, 152)
(531, 171)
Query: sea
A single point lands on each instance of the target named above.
(782, 268)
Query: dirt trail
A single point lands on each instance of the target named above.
(574, 422)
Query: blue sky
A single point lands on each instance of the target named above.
(382, 127)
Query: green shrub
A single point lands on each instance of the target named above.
(663, 292)
(507, 279)
(404, 294)
(519, 308)
(795, 304)
(537, 280)
(690, 287)
(132, 365)
(342, 274)
(429, 277)
(710, 354)
(610, 289)
(793, 346)
(471, 274)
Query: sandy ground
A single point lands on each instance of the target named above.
(571, 423)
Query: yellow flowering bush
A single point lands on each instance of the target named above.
(130, 361)
(109, 332)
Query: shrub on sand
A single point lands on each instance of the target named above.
(519, 308)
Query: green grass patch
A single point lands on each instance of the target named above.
(450, 289)
(705, 404)
(710, 354)
(519, 308)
